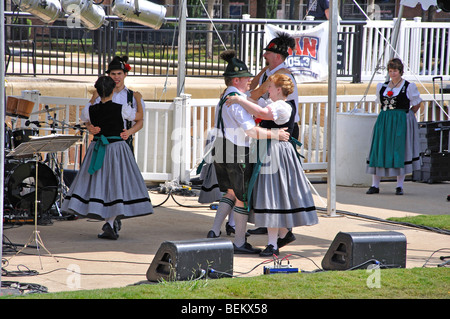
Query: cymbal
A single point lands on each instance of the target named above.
(49, 110)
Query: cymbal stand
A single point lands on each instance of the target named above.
(35, 236)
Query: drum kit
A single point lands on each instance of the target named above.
(33, 171)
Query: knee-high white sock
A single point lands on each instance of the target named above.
(400, 180)
(241, 219)
(376, 181)
(273, 237)
(223, 210)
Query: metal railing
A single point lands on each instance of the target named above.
(171, 143)
(59, 50)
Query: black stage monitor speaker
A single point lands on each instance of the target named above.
(187, 260)
(351, 250)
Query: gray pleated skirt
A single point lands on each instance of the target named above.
(281, 197)
(117, 189)
(412, 152)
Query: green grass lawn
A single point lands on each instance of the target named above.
(437, 221)
(415, 283)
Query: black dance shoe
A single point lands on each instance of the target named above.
(399, 191)
(117, 225)
(258, 231)
(373, 190)
(231, 230)
(108, 232)
(212, 234)
(246, 249)
(289, 238)
(269, 251)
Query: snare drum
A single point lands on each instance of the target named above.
(20, 135)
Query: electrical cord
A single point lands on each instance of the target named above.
(181, 190)
(28, 272)
(25, 288)
(434, 252)
(19, 272)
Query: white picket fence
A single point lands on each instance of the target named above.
(422, 46)
(171, 144)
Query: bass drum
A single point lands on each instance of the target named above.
(20, 185)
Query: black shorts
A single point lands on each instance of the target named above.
(233, 168)
(235, 176)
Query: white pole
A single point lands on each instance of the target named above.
(332, 88)
(181, 47)
(2, 115)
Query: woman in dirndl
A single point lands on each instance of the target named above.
(109, 185)
(281, 196)
(394, 148)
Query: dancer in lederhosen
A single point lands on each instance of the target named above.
(234, 128)
(395, 145)
(109, 184)
(281, 197)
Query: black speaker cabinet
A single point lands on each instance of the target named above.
(349, 250)
(186, 260)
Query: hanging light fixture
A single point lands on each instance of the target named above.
(140, 11)
(46, 10)
(444, 5)
(91, 15)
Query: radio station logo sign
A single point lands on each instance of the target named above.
(308, 61)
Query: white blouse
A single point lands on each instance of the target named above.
(128, 113)
(411, 92)
(281, 111)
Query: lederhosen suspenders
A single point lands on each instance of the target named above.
(219, 116)
(220, 125)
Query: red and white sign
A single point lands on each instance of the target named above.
(308, 61)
